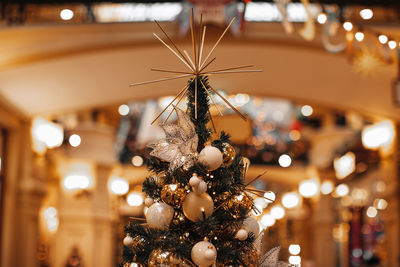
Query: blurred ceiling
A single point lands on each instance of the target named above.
(53, 69)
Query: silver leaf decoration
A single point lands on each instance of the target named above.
(180, 144)
(271, 259)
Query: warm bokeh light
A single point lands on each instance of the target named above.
(66, 14)
(348, 26)
(306, 110)
(345, 165)
(378, 135)
(51, 219)
(267, 220)
(327, 187)
(137, 161)
(118, 186)
(359, 36)
(322, 18)
(270, 196)
(134, 199)
(383, 39)
(392, 44)
(342, 190)
(277, 212)
(46, 134)
(372, 212)
(74, 140)
(294, 135)
(366, 13)
(285, 160)
(123, 110)
(309, 188)
(290, 200)
(295, 260)
(76, 181)
(380, 186)
(294, 249)
(380, 204)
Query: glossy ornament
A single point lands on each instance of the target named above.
(204, 254)
(228, 154)
(164, 258)
(128, 241)
(159, 215)
(194, 206)
(148, 201)
(239, 202)
(242, 234)
(251, 225)
(173, 194)
(211, 157)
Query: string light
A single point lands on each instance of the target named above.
(306, 110)
(309, 188)
(74, 140)
(327, 187)
(134, 199)
(392, 44)
(383, 39)
(372, 212)
(285, 160)
(348, 26)
(359, 36)
(366, 14)
(342, 190)
(66, 14)
(322, 18)
(290, 200)
(123, 110)
(277, 212)
(294, 249)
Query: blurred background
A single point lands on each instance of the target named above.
(323, 119)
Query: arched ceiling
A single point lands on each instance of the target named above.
(55, 69)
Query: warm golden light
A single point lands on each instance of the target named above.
(383, 39)
(322, 18)
(76, 181)
(372, 212)
(294, 135)
(51, 219)
(378, 135)
(327, 187)
(380, 204)
(277, 212)
(270, 196)
(74, 140)
(118, 186)
(345, 165)
(123, 110)
(134, 199)
(295, 260)
(366, 13)
(392, 44)
(66, 14)
(294, 249)
(267, 221)
(46, 134)
(309, 188)
(137, 161)
(359, 36)
(285, 160)
(348, 26)
(290, 200)
(342, 190)
(306, 110)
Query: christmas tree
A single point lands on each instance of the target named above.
(199, 204)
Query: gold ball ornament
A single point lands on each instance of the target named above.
(239, 202)
(160, 258)
(228, 154)
(173, 194)
(195, 206)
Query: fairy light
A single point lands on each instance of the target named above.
(285, 160)
(123, 110)
(327, 187)
(294, 249)
(277, 212)
(366, 13)
(348, 26)
(392, 44)
(359, 36)
(372, 212)
(322, 18)
(342, 190)
(290, 200)
(309, 188)
(66, 14)
(383, 39)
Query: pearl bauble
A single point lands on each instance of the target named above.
(159, 215)
(148, 201)
(204, 254)
(201, 188)
(128, 241)
(194, 181)
(211, 157)
(251, 225)
(194, 206)
(242, 234)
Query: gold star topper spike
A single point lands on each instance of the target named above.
(197, 67)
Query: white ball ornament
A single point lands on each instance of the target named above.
(148, 201)
(251, 225)
(242, 234)
(211, 157)
(204, 254)
(128, 241)
(159, 215)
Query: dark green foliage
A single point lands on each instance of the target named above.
(222, 226)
